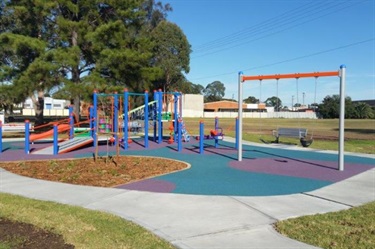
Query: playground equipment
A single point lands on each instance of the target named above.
(121, 123)
(216, 133)
(62, 133)
(292, 132)
(111, 122)
(341, 73)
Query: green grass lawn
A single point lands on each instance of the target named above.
(81, 227)
(352, 228)
(359, 134)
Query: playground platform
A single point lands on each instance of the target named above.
(218, 202)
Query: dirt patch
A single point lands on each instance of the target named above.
(102, 172)
(22, 235)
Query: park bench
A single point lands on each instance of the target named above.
(299, 133)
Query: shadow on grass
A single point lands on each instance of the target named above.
(359, 131)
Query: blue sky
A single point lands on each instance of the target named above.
(262, 37)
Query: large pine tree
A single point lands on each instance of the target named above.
(81, 45)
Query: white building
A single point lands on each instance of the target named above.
(49, 103)
(52, 107)
(192, 105)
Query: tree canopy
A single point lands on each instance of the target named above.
(330, 107)
(363, 111)
(251, 100)
(86, 45)
(275, 102)
(214, 91)
(171, 53)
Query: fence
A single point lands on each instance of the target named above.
(308, 115)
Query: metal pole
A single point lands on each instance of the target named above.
(95, 126)
(1, 137)
(216, 130)
(176, 118)
(55, 139)
(160, 109)
(155, 113)
(71, 122)
(240, 116)
(126, 119)
(146, 119)
(277, 95)
(342, 117)
(115, 119)
(91, 108)
(201, 137)
(292, 101)
(179, 139)
(303, 98)
(236, 144)
(27, 137)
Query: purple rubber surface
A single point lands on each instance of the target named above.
(312, 169)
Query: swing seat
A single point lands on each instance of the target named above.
(306, 142)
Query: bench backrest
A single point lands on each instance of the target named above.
(292, 132)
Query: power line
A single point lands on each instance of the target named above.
(267, 28)
(261, 27)
(292, 59)
(241, 33)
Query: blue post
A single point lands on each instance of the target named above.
(146, 119)
(55, 139)
(201, 137)
(1, 136)
(126, 118)
(91, 122)
(155, 113)
(216, 129)
(176, 119)
(160, 109)
(95, 117)
(27, 137)
(179, 139)
(115, 118)
(236, 144)
(71, 122)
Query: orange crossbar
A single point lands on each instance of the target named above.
(290, 76)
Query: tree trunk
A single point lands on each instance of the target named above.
(38, 107)
(76, 80)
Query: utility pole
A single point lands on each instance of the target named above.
(303, 98)
(292, 102)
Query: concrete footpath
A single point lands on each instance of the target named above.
(196, 221)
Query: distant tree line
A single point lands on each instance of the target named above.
(330, 108)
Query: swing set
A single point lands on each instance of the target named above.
(300, 133)
(341, 74)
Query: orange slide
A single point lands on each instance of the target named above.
(60, 128)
